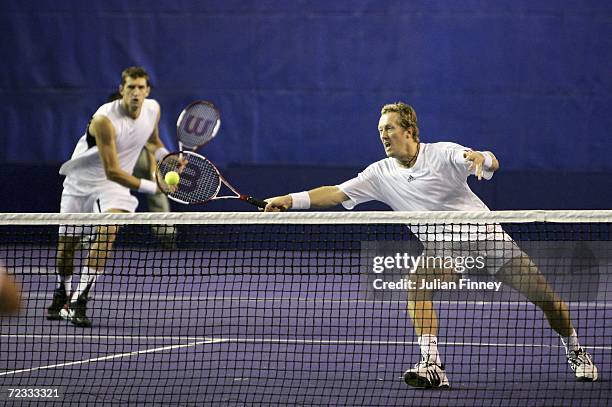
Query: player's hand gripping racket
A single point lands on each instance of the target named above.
(200, 181)
(197, 124)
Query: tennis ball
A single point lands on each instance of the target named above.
(172, 178)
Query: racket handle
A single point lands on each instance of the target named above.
(256, 202)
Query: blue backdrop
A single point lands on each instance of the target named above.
(300, 83)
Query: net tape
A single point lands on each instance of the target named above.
(376, 217)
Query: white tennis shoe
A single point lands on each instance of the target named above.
(427, 375)
(582, 364)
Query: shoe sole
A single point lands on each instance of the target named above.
(81, 324)
(418, 382)
(78, 324)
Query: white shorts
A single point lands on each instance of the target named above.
(102, 200)
(489, 251)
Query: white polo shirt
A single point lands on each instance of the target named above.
(436, 182)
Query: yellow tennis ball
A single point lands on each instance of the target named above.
(172, 178)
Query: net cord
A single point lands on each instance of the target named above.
(330, 217)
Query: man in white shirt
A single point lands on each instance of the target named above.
(99, 179)
(144, 168)
(418, 176)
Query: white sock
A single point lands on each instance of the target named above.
(571, 342)
(88, 278)
(67, 281)
(429, 348)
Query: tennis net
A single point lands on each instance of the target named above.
(311, 309)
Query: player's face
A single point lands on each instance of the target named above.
(134, 91)
(395, 138)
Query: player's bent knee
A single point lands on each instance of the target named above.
(420, 305)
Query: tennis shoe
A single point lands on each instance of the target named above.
(76, 312)
(582, 364)
(60, 298)
(427, 375)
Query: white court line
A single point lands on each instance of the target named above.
(160, 297)
(109, 357)
(50, 338)
(362, 342)
(210, 340)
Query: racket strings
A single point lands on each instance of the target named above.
(199, 179)
(208, 183)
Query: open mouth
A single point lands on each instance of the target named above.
(387, 144)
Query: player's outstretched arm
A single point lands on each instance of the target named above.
(318, 198)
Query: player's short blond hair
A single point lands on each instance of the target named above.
(408, 116)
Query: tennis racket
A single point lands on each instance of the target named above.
(200, 181)
(197, 124)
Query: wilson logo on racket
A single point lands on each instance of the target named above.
(198, 126)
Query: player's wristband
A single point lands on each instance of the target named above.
(147, 187)
(301, 200)
(488, 160)
(161, 153)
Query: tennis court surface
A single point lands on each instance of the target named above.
(282, 309)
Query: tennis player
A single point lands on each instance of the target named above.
(419, 176)
(145, 169)
(99, 179)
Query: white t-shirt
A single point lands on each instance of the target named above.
(84, 171)
(436, 182)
